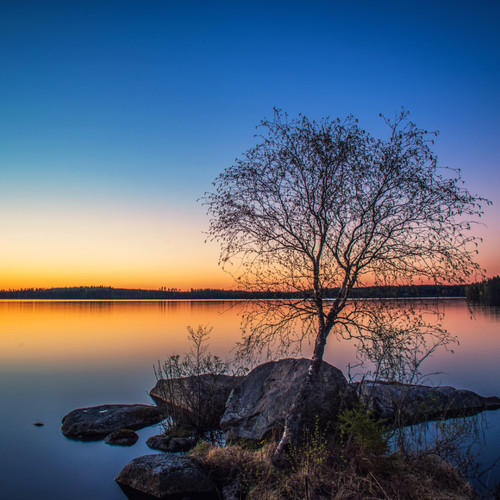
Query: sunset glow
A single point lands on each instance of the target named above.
(116, 119)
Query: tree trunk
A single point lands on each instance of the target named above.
(294, 417)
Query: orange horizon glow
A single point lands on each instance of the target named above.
(216, 282)
(210, 277)
(125, 247)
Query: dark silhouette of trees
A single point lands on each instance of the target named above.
(323, 206)
(109, 293)
(487, 291)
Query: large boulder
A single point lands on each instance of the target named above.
(257, 408)
(94, 423)
(166, 476)
(189, 399)
(403, 404)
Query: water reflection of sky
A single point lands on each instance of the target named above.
(57, 356)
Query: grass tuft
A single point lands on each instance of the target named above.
(336, 471)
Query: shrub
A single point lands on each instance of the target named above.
(194, 387)
(357, 425)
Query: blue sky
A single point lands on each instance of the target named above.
(116, 116)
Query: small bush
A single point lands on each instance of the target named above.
(194, 388)
(358, 426)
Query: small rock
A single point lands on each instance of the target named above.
(163, 442)
(94, 423)
(166, 476)
(38, 424)
(122, 437)
(232, 491)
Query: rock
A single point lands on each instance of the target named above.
(232, 491)
(122, 437)
(163, 442)
(94, 423)
(38, 424)
(404, 404)
(257, 407)
(186, 399)
(166, 476)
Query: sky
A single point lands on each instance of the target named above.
(116, 116)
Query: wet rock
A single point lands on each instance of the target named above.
(166, 476)
(163, 442)
(94, 423)
(404, 404)
(186, 399)
(258, 406)
(122, 437)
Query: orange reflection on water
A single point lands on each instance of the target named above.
(93, 335)
(101, 333)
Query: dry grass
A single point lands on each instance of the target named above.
(335, 472)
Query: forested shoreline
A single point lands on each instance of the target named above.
(110, 293)
(487, 292)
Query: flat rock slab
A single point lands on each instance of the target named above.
(165, 476)
(258, 406)
(96, 422)
(404, 404)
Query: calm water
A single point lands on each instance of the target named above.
(58, 356)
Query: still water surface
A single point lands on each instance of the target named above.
(58, 356)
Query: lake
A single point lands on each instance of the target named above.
(56, 356)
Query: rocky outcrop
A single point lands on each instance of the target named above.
(94, 423)
(163, 442)
(191, 398)
(258, 406)
(122, 437)
(404, 404)
(166, 476)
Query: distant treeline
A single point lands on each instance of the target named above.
(109, 293)
(486, 292)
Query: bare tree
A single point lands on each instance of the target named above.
(317, 208)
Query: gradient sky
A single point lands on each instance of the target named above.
(117, 115)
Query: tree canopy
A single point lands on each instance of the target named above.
(322, 205)
(326, 200)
